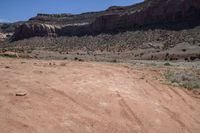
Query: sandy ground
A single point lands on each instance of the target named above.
(82, 97)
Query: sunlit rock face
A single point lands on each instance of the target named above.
(30, 30)
(114, 19)
(2, 37)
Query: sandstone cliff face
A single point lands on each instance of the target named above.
(5, 36)
(29, 30)
(150, 12)
(2, 37)
(158, 12)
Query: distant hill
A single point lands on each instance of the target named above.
(153, 29)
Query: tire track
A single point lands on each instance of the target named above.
(182, 98)
(175, 117)
(131, 114)
(159, 90)
(73, 100)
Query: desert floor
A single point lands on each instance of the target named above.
(91, 97)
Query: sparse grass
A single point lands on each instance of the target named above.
(8, 55)
(183, 78)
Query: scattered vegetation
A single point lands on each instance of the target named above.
(183, 78)
(167, 64)
(113, 44)
(81, 60)
(114, 61)
(77, 59)
(184, 50)
(119, 42)
(9, 55)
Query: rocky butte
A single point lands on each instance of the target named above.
(148, 14)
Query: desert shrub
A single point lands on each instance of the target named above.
(29, 51)
(183, 78)
(167, 64)
(167, 45)
(114, 61)
(9, 55)
(25, 56)
(75, 58)
(192, 58)
(105, 42)
(184, 50)
(81, 60)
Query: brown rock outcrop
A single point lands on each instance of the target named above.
(2, 37)
(157, 12)
(148, 13)
(28, 30)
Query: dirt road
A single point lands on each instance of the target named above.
(81, 97)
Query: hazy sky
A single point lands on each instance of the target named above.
(16, 10)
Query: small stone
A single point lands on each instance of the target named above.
(7, 67)
(21, 93)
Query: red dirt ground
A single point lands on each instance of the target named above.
(82, 97)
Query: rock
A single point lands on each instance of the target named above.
(2, 37)
(150, 13)
(28, 30)
(157, 13)
(21, 93)
(7, 67)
